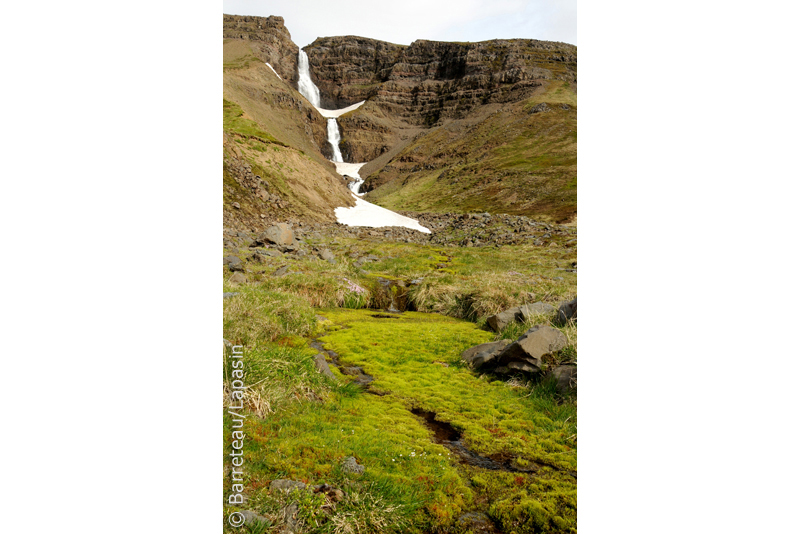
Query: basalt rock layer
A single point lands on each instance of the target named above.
(429, 80)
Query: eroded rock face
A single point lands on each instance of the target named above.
(273, 41)
(431, 80)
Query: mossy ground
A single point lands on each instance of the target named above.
(301, 424)
(419, 485)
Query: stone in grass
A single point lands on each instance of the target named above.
(483, 353)
(531, 347)
(350, 465)
(238, 278)
(568, 311)
(566, 378)
(322, 365)
(286, 485)
(279, 234)
(281, 271)
(328, 256)
(501, 320)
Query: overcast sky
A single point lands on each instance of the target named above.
(404, 21)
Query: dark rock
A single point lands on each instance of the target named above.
(350, 465)
(568, 311)
(236, 266)
(480, 354)
(281, 271)
(322, 365)
(566, 377)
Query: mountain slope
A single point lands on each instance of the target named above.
(274, 162)
(458, 126)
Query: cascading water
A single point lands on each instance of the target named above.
(333, 139)
(305, 85)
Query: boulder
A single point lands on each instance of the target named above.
(501, 320)
(281, 271)
(566, 377)
(279, 234)
(327, 255)
(531, 347)
(322, 365)
(237, 278)
(480, 354)
(350, 465)
(568, 311)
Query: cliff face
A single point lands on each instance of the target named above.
(429, 81)
(270, 41)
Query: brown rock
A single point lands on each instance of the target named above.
(278, 234)
(532, 346)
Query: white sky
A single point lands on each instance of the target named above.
(406, 21)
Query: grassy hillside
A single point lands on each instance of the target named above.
(272, 164)
(520, 159)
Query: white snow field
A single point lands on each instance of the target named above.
(351, 170)
(273, 70)
(334, 113)
(372, 216)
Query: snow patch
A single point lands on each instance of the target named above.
(371, 216)
(273, 70)
(352, 170)
(335, 113)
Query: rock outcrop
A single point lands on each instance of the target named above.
(272, 42)
(431, 80)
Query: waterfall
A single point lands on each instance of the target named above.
(333, 139)
(304, 84)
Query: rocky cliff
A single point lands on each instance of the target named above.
(428, 80)
(270, 40)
